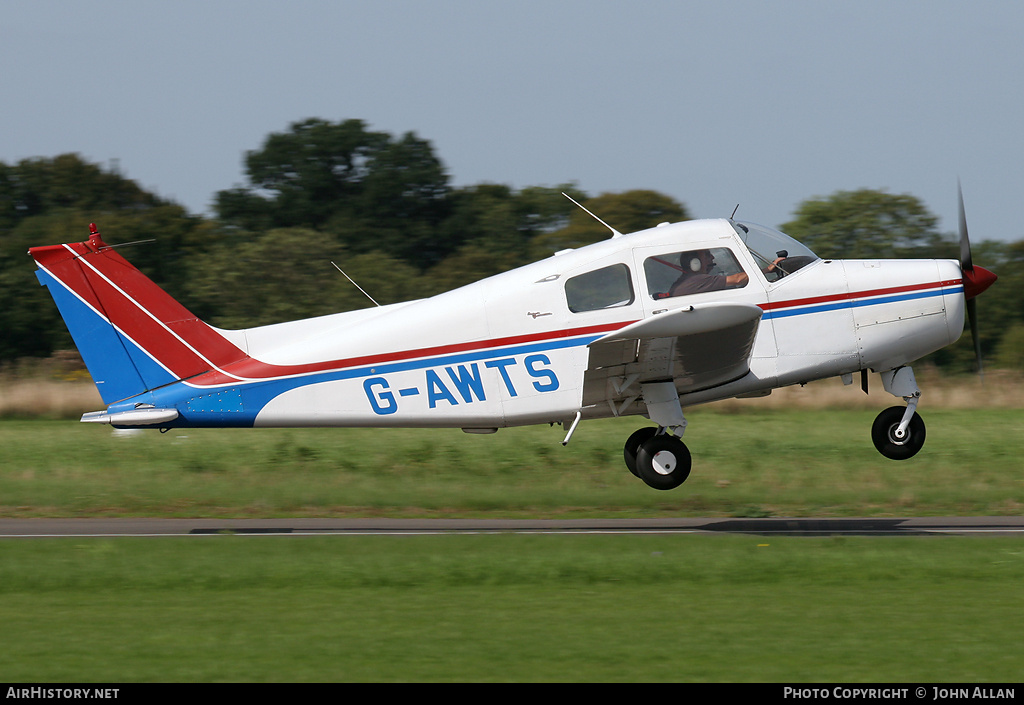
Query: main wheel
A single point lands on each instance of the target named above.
(629, 451)
(888, 442)
(663, 462)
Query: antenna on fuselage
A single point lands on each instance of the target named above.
(733, 216)
(615, 233)
(356, 285)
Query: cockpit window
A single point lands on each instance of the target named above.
(607, 287)
(693, 272)
(767, 245)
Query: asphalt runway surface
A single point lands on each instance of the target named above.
(914, 526)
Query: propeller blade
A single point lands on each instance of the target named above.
(975, 280)
(966, 263)
(972, 318)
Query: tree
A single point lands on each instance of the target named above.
(29, 319)
(300, 178)
(867, 224)
(368, 189)
(1010, 352)
(627, 212)
(493, 226)
(286, 274)
(44, 185)
(51, 200)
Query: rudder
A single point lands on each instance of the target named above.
(132, 335)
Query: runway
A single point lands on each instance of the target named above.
(141, 527)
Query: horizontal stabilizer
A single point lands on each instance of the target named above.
(143, 416)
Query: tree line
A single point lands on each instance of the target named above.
(382, 207)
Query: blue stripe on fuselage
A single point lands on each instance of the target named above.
(256, 394)
(859, 303)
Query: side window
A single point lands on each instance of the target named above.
(693, 272)
(603, 288)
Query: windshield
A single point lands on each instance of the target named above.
(768, 245)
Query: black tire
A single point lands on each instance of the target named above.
(633, 443)
(663, 462)
(883, 434)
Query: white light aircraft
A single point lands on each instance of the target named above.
(644, 324)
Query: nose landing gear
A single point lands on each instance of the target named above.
(891, 439)
(898, 432)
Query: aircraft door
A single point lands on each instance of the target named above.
(672, 277)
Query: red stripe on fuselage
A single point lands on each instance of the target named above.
(849, 296)
(190, 348)
(251, 369)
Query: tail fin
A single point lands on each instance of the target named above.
(132, 335)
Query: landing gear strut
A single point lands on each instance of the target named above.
(898, 433)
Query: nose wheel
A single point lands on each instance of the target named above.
(898, 432)
(892, 439)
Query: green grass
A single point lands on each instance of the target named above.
(511, 608)
(757, 463)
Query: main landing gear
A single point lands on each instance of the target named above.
(659, 459)
(898, 432)
(654, 455)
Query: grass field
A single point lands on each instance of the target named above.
(511, 608)
(517, 607)
(771, 462)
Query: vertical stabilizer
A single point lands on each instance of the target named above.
(132, 335)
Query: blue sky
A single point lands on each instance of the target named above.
(761, 104)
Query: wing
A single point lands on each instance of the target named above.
(697, 347)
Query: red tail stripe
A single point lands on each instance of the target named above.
(169, 332)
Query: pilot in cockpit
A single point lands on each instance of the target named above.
(697, 276)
